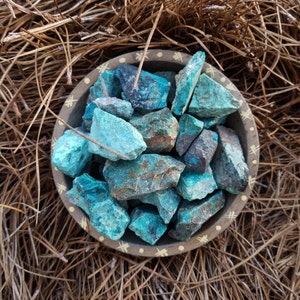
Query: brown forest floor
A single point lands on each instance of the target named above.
(46, 48)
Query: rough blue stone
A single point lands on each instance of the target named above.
(186, 81)
(170, 76)
(106, 215)
(107, 85)
(122, 140)
(151, 91)
(211, 122)
(189, 129)
(144, 175)
(201, 152)
(147, 224)
(211, 99)
(70, 154)
(229, 167)
(166, 201)
(192, 215)
(117, 107)
(159, 130)
(192, 185)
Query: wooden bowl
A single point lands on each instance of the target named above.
(241, 121)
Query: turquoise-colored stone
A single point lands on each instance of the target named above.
(151, 91)
(121, 139)
(186, 81)
(170, 76)
(192, 215)
(166, 201)
(88, 115)
(201, 152)
(211, 122)
(106, 215)
(211, 99)
(159, 130)
(70, 154)
(144, 175)
(147, 224)
(117, 107)
(189, 129)
(107, 85)
(192, 185)
(229, 167)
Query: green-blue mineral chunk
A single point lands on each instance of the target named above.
(192, 215)
(211, 122)
(159, 130)
(229, 167)
(189, 129)
(106, 215)
(151, 91)
(186, 81)
(147, 224)
(70, 154)
(170, 76)
(192, 185)
(119, 138)
(117, 107)
(107, 85)
(86, 191)
(201, 152)
(88, 115)
(144, 175)
(166, 201)
(211, 99)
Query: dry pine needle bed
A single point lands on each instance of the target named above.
(46, 48)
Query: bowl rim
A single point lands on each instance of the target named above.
(228, 215)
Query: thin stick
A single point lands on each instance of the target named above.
(147, 45)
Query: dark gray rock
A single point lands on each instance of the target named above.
(229, 167)
(192, 215)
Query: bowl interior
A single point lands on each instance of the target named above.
(241, 121)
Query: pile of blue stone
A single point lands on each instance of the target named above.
(158, 158)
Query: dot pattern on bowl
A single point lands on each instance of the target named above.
(203, 236)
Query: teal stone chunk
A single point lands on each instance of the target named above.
(186, 81)
(70, 154)
(144, 175)
(192, 185)
(229, 167)
(166, 201)
(147, 224)
(159, 130)
(107, 85)
(151, 91)
(192, 215)
(106, 215)
(119, 138)
(211, 122)
(85, 191)
(211, 99)
(117, 107)
(189, 129)
(201, 152)
(88, 115)
(170, 76)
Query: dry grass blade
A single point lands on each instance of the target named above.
(46, 48)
